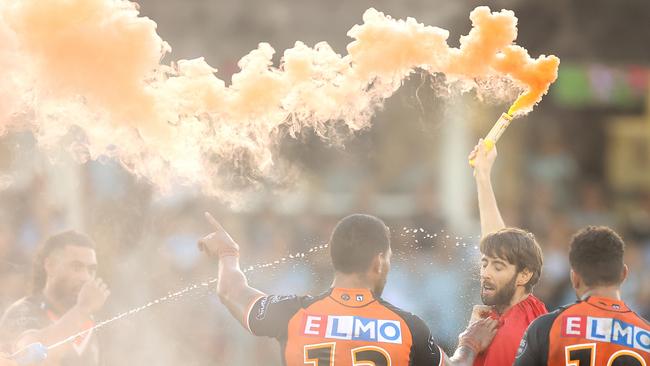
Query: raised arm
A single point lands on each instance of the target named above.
(232, 285)
(490, 216)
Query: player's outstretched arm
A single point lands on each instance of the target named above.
(483, 159)
(474, 340)
(232, 286)
(6, 361)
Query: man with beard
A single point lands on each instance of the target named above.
(511, 265)
(599, 329)
(65, 295)
(350, 324)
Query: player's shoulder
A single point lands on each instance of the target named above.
(425, 349)
(269, 315)
(536, 338)
(298, 300)
(414, 322)
(544, 323)
(26, 313)
(25, 306)
(308, 300)
(641, 321)
(289, 301)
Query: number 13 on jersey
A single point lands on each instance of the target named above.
(324, 354)
(585, 355)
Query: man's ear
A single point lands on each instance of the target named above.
(575, 280)
(524, 276)
(625, 273)
(49, 264)
(377, 263)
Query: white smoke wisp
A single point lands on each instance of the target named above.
(11, 91)
(95, 65)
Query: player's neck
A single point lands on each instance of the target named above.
(343, 280)
(53, 300)
(519, 296)
(609, 292)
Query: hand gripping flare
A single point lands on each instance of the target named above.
(495, 133)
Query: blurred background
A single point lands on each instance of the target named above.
(581, 157)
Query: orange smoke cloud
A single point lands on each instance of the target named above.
(96, 64)
(386, 48)
(491, 33)
(100, 50)
(535, 74)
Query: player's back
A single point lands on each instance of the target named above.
(596, 331)
(344, 327)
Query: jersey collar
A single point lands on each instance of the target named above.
(353, 297)
(608, 304)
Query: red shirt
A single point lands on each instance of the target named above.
(512, 326)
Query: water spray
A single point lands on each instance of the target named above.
(30, 355)
(37, 352)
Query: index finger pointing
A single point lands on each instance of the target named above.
(213, 221)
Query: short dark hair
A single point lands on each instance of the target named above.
(52, 244)
(356, 240)
(596, 254)
(518, 247)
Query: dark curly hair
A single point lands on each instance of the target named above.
(51, 245)
(355, 241)
(596, 254)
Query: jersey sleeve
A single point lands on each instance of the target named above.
(425, 351)
(534, 346)
(270, 315)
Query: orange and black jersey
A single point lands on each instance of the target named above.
(343, 327)
(593, 332)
